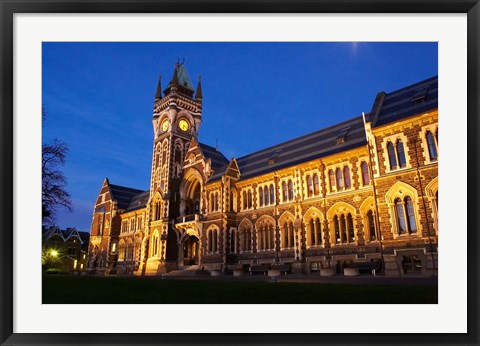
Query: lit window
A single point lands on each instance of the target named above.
(405, 216)
(346, 175)
(392, 156)
(290, 190)
(285, 191)
(272, 195)
(365, 174)
(331, 177)
(339, 179)
(309, 186)
(371, 226)
(343, 228)
(316, 184)
(432, 147)
(401, 154)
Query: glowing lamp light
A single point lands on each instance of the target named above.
(54, 253)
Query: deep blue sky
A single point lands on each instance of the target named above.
(99, 99)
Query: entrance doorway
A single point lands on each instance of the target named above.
(190, 251)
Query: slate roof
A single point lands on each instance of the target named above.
(47, 233)
(123, 195)
(302, 149)
(183, 78)
(218, 159)
(411, 100)
(138, 201)
(406, 102)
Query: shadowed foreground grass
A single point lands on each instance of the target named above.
(128, 290)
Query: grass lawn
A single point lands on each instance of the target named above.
(134, 290)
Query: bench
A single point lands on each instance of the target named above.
(282, 268)
(367, 266)
(262, 268)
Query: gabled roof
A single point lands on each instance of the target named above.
(414, 99)
(123, 195)
(138, 201)
(217, 158)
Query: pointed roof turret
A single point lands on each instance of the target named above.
(198, 93)
(181, 80)
(158, 93)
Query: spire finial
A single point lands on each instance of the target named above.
(158, 93)
(198, 93)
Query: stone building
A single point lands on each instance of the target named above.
(325, 199)
(64, 249)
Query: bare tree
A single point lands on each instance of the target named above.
(54, 183)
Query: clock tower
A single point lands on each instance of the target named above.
(177, 116)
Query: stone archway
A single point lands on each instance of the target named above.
(191, 248)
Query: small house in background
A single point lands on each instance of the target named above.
(64, 251)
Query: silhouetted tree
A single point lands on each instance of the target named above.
(54, 183)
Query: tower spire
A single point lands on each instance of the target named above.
(158, 93)
(175, 76)
(198, 93)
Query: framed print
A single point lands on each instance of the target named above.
(277, 184)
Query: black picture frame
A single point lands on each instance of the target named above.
(10, 7)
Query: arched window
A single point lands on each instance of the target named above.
(309, 186)
(336, 226)
(157, 210)
(210, 241)
(343, 229)
(432, 147)
(401, 154)
(290, 190)
(402, 225)
(288, 236)
(260, 192)
(233, 241)
(215, 241)
(216, 201)
(371, 226)
(331, 177)
(318, 232)
(392, 156)
(285, 191)
(266, 196)
(412, 225)
(351, 233)
(212, 202)
(249, 199)
(316, 185)
(365, 174)
(246, 240)
(312, 233)
(178, 154)
(244, 200)
(339, 179)
(155, 245)
(272, 195)
(346, 175)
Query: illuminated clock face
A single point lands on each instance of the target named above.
(165, 125)
(183, 125)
